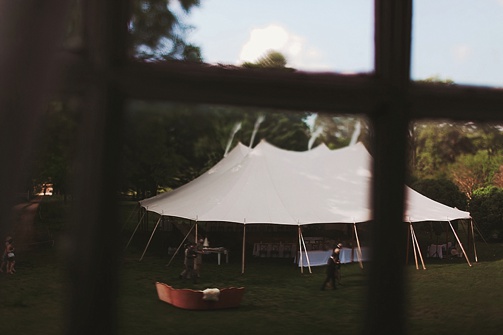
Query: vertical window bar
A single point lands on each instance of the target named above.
(390, 121)
(94, 260)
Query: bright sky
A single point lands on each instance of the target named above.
(461, 40)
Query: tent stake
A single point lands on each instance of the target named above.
(150, 239)
(460, 244)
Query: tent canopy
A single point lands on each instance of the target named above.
(269, 185)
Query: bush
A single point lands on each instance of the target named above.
(486, 208)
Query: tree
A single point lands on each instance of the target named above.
(338, 130)
(471, 172)
(56, 150)
(436, 145)
(486, 208)
(286, 130)
(157, 31)
(442, 190)
(271, 60)
(168, 145)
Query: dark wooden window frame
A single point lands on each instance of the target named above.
(107, 79)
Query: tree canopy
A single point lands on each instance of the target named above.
(157, 30)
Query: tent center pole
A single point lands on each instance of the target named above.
(244, 249)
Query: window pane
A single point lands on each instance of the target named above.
(457, 163)
(458, 40)
(167, 145)
(324, 35)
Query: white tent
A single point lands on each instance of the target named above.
(269, 185)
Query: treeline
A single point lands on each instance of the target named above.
(167, 145)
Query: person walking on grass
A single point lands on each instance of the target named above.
(189, 262)
(338, 267)
(331, 270)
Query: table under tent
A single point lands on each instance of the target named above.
(269, 185)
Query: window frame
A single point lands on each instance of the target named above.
(108, 78)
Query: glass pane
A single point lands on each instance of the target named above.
(458, 164)
(459, 41)
(324, 35)
(169, 144)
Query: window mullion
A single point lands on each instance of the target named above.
(390, 123)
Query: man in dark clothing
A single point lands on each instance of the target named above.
(333, 265)
(188, 263)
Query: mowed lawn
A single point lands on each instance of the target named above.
(449, 297)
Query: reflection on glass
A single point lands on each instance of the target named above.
(459, 41)
(324, 35)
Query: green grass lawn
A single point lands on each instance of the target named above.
(449, 297)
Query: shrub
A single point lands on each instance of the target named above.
(486, 208)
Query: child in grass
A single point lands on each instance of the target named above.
(8, 257)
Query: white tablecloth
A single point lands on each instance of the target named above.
(438, 250)
(320, 257)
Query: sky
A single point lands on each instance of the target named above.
(459, 40)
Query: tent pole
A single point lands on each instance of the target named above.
(305, 250)
(447, 237)
(243, 254)
(178, 249)
(460, 244)
(150, 239)
(408, 246)
(419, 249)
(417, 245)
(129, 217)
(359, 251)
(300, 252)
(413, 246)
(473, 237)
(139, 222)
(353, 239)
(478, 230)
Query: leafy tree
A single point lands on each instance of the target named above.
(168, 145)
(56, 150)
(286, 130)
(338, 130)
(436, 145)
(442, 190)
(486, 208)
(157, 31)
(271, 60)
(486, 136)
(471, 172)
